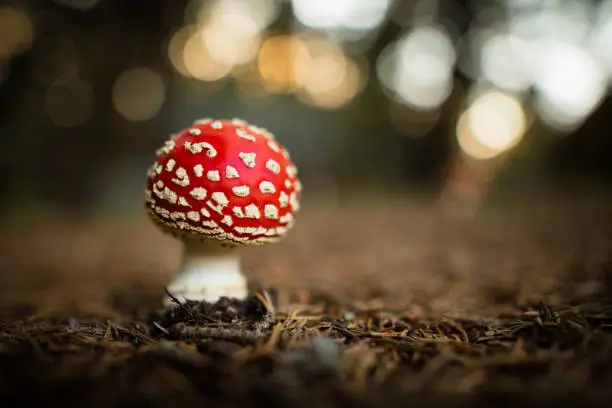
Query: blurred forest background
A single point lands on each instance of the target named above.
(446, 96)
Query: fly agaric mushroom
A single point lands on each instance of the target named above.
(216, 186)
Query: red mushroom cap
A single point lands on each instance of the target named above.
(225, 180)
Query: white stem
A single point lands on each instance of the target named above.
(208, 271)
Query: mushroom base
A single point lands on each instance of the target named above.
(208, 272)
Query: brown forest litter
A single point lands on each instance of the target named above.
(498, 311)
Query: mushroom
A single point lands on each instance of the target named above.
(216, 186)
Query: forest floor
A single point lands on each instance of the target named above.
(382, 303)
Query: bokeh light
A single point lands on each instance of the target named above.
(138, 94)
(176, 48)
(70, 102)
(347, 19)
(312, 66)
(601, 37)
(199, 63)
(327, 77)
(566, 21)
(570, 84)
(276, 62)
(260, 14)
(16, 32)
(231, 29)
(494, 123)
(226, 35)
(419, 67)
(503, 61)
(559, 49)
(231, 46)
(340, 82)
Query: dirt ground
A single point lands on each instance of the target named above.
(385, 302)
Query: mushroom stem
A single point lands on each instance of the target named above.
(207, 272)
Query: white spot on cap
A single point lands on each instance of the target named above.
(248, 159)
(291, 171)
(196, 148)
(209, 224)
(271, 211)
(198, 170)
(170, 164)
(204, 212)
(158, 168)
(251, 211)
(183, 201)
(162, 211)
(202, 121)
(238, 212)
(199, 193)
(216, 125)
(244, 135)
(297, 185)
(293, 201)
(195, 132)
(241, 191)
(157, 192)
(274, 146)
(283, 200)
(213, 175)
(216, 207)
(267, 187)
(182, 179)
(288, 183)
(262, 131)
(239, 122)
(170, 195)
(177, 215)
(273, 166)
(250, 230)
(231, 172)
(166, 148)
(266, 133)
(286, 154)
(227, 220)
(193, 216)
(287, 218)
(220, 198)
